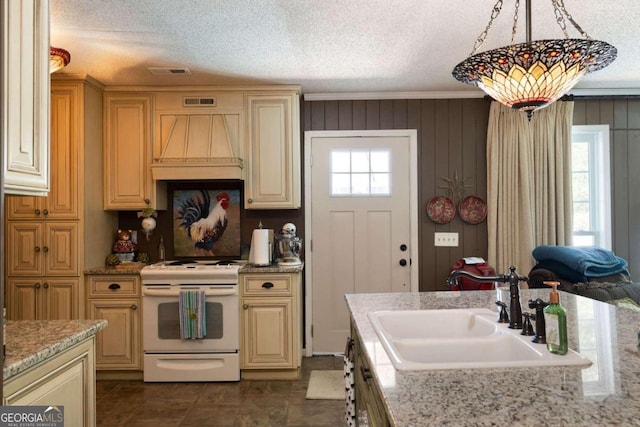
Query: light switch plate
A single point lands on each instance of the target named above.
(446, 239)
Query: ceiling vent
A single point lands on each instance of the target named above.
(198, 102)
(162, 71)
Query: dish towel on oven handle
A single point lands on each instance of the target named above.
(193, 316)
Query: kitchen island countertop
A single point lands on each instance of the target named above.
(606, 393)
(30, 342)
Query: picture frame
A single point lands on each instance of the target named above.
(206, 219)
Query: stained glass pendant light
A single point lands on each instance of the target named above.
(58, 58)
(529, 76)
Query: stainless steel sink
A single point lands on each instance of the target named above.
(459, 339)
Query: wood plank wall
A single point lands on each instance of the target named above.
(451, 140)
(622, 114)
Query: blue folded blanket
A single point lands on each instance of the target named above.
(193, 319)
(587, 262)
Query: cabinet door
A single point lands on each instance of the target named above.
(61, 298)
(24, 250)
(268, 339)
(62, 201)
(273, 177)
(24, 91)
(23, 299)
(60, 248)
(127, 151)
(118, 346)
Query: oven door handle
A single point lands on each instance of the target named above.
(175, 293)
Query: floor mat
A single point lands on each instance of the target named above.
(327, 385)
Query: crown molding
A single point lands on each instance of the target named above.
(356, 96)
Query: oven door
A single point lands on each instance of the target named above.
(161, 330)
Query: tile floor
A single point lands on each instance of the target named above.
(243, 403)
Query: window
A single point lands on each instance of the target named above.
(360, 173)
(591, 187)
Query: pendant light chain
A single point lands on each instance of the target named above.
(494, 14)
(514, 29)
(560, 10)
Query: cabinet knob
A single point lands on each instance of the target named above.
(403, 262)
(45, 212)
(249, 200)
(114, 286)
(245, 306)
(267, 285)
(37, 249)
(45, 249)
(134, 307)
(37, 286)
(37, 212)
(46, 285)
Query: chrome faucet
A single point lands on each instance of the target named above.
(515, 310)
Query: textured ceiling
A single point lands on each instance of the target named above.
(327, 46)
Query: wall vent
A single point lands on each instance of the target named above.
(163, 70)
(198, 102)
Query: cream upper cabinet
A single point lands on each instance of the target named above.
(24, 91)
(272, 153)
(127, 152)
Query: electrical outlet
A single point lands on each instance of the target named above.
(446, 239)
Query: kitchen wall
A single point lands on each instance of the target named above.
(452, 140)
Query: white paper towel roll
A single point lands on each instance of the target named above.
(259, 252)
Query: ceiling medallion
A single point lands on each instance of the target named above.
(529, 76)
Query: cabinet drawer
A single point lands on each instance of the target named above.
(113, 286)
(267, 284)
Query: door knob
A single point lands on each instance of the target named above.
(134, 307)
(37, 249)
(245, 306)
(46, 285)
(37, 212)
(45, 249)
(403, 262)
(37, 285)
(403, 247)
(45, 212)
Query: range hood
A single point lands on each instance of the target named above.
(197, 145)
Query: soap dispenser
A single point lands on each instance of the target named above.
(555, 318)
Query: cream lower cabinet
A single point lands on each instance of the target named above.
(271, 326)
(67, 380)
(116, 298)
(43, 298)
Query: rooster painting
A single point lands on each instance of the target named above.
(204, 221)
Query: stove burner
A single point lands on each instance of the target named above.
(180, 262)
(223, 262)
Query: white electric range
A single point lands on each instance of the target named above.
(167, 357)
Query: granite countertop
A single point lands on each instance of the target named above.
(131, 268)
(606, 393)
(29, 342)
(273, 268)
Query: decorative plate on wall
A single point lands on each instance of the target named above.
(441, 209)
(472, 209)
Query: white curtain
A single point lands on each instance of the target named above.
(528, 183)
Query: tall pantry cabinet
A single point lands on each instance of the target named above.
(50, 239)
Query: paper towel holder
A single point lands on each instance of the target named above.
(260, 252)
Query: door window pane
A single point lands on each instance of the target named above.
(360, 172)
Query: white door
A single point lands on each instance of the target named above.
(361, 224)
